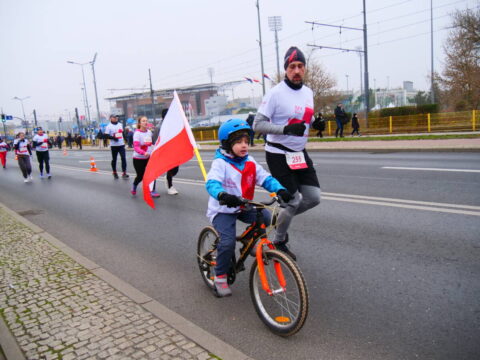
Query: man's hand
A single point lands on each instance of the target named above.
(285, 195)
(230, 200)
(297, 129)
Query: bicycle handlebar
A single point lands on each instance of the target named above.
(255, 203)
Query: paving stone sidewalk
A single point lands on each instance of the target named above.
(57, 309)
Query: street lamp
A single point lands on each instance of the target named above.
(87, 110)
(95, 87)
(275, 23)
(23, 110)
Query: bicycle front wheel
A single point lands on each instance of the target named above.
(285, 310)
(207, 254)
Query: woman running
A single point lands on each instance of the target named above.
(3, 153)
(23, 152)
(142, 146)
(41, 143)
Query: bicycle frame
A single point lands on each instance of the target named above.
(258, 231)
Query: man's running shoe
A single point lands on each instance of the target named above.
(172, 191)
(26, 180)
(49, 176)
(41, 175)
(221, 286)
(154, 194)
(125, 175)
(115, 175)
(282, 246)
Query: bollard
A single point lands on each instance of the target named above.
(391, 124)
(428, 122)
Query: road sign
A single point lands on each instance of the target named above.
(8, 117)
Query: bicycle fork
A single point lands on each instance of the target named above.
(261, 268)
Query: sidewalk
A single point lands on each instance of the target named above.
(359, 145)
(56, 304)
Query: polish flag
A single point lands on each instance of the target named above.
(175, 146)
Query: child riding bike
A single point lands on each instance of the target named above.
(234, 174)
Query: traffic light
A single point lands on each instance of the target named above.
(3, 116)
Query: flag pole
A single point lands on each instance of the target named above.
(200, 163)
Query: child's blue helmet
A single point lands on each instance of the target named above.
(230, 127)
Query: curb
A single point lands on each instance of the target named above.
(201, 337)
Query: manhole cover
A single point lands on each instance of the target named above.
(30, 212)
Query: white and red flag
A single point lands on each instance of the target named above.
(175, 145)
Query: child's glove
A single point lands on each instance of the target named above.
(285, 195)
(230, 200)
(297, 129)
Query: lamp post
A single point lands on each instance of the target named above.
(275, 23)
(23, 111)
(87, 110)
(95, 87)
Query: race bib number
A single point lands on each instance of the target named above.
(44, 145)
(148, 140)
(118, 135)
(296, 160)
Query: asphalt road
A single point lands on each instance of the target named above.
(390, 256)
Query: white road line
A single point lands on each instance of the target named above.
(358, 199)
(429, 169)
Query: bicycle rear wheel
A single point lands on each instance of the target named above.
(285, 311)
(207, 254)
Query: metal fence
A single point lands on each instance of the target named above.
(419, 123)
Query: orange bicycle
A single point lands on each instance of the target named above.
(277, 287)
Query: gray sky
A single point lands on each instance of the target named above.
(179, 40)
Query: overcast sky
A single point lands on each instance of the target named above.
(179, 40)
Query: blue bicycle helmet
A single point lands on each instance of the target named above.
(230, 127)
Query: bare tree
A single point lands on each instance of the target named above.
(322, 84)
(461, 76)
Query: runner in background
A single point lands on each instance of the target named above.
(23, 152)
(170, 173)
(41, 143)
(142, 147)
(3, 153)
(114, 132)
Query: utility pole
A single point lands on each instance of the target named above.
(275, 23)
(260, 43)
(35, 117)
(365, 49)
(153, 99)
(78, 120)
(432, 95)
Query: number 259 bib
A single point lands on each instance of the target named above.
(296, 160)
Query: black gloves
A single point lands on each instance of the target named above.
(230, 200)
(285, 195)
(297, 129)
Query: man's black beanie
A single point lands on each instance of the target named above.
(293, 54)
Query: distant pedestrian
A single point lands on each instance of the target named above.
(41, 144)
(69, 140)
(319, 124)
(78, 141)
(340, 119)
(59, 141)
(23, 152)
(170, 173)
(250, 118)
(129, 139)
(114, 131)
(142, 147)
(355, 124)
(3, 153)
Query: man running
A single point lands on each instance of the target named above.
(285, 115)
(114, 132)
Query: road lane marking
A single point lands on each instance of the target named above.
(358, 199)
(429, 169)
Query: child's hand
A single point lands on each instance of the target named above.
(229, 200)
(285, 195)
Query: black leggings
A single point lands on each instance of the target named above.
(139, 165)
(43, 157)
(170, 174)
(115, 151)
